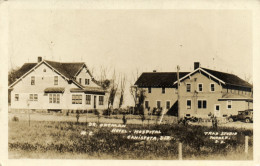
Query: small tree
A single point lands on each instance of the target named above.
(122, 90)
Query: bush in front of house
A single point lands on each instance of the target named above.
(15, 119)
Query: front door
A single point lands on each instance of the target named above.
(217, 110)
(95, 103)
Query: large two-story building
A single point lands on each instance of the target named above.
(49, 85)
(201, 92)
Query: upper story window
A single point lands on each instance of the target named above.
(88, 99)
(101, 100)
(56, 81)
(86, 81)
(44, 70)
(149, 90)
(76, 99)
(188, 88)
(212, 87)
(80, 80)
(16, 97)
(163, 90)
(188, 104)
(200, 87)
(32, 80)
(202, 104)
(229, 104)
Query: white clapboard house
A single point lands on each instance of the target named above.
(57, 86)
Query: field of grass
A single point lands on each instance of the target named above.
(63, 140)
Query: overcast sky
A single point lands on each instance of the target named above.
(134, 39)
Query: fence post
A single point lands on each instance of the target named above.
(180, 151)
(246, 145)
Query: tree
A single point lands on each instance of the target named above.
(112, 91)
(12, 76)
(138, 94)
(122, 90)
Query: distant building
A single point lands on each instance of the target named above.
(201, 92)
(56, 86)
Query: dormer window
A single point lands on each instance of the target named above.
(56, 81)
(86, 81)
(32, 80)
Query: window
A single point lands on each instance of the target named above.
(32, 80)
(200, 87)
(88, 99)
(55, 80)
(188, 104)
(163, 90)
(146, 103)
(33, 97)
(54, 98)
(80, 80)
(188, 88)
(86, 81)
(212, 87)
(149, 90)
(76, 99)
(16, 96)
(168, 104)
(202, 104)
(158, 104)
(44, 70)
(101, 100)
(229, 104)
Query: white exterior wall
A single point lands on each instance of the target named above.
(44, 80)
(85, 75)
(157, 95)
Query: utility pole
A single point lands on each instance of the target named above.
(178, 90)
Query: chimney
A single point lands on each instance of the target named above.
(196, 65)
(154, 71)
(39, 59)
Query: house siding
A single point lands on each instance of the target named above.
(212, 98)
(157, 95)
(44, 77)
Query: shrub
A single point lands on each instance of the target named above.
(15, 119)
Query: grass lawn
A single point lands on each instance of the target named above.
(63, 140)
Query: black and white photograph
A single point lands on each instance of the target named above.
(119, 83)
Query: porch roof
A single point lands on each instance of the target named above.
(54, 90)
(238, 97)
(89, 90)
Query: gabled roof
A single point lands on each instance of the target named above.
(67, 70)
(168, 79)
(158, 79)
(229, 78)
(24, 69)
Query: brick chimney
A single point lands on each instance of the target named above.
(196, 65)
(39, 59)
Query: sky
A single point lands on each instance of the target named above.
(128, 41)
